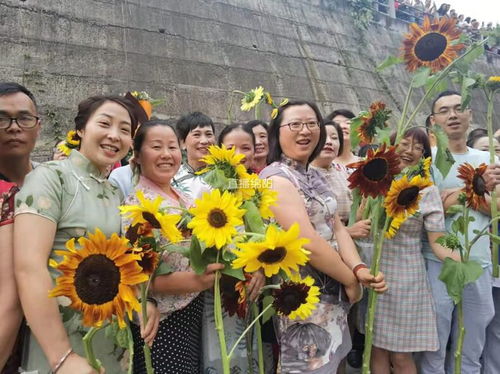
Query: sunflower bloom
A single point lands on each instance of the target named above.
(402, 200)
(375, 119)
(281, 250)
(64, 149)
(148, 211)
(493, 83)
(269, 98)
(149, 261)
(374, 175)
(252, 98)
(216, 217)
(432, 45)
(475, 186)
(234, 295)
(223, 157)
(296, 298)
(264, 199)
(247, 183)
(99, 278)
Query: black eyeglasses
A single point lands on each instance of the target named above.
(298, 126)
(25, 121)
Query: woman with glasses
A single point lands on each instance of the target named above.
(319, 343)
(405, 320)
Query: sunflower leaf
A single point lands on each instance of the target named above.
(356, 200)
(421, 77)
(235, 273)
(389, 61)
(195, 256)
(163, 269)
(252, 217)
(216, 179)
(442, 85)
(174, 248)
(444, 159)
(456, 275)
(467, 85)
(384, 135)
(454, 209)
(270, 312)
(494, 238)
(458, 226)
(355, 125)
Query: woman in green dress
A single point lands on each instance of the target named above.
(61, 200)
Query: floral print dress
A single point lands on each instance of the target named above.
(317, 344)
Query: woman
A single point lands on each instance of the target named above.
(405, 321)
(68, 199)
(243, 141)
(259, 129)
(336, 175)
(157, 158)
(482, 142)
(343, 117)
(296, 137)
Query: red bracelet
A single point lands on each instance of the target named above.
(359, 267)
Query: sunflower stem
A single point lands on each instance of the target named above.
(401, 123)
(89, 350)
(493, 207)
(372, 296)
(258, 332)
(144, 311)
(257, 111)
(256, 319)
(219, 323)
(460, 342)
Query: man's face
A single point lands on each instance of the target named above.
(449, 114)
(14, 140)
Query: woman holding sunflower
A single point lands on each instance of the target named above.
(157, 158)
(319, 343)
(405, 319)
(67, 199)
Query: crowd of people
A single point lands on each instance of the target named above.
(307, 156)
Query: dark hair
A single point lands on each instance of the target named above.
(419, 135)
(340, 112)
(467, 19)
(256, 122)
(191, 121)
(143, 130)
(475, 135)
(340, 134)
(443, 94)
(9, 88)
(87, 108)
(230, 128)
(275, 150)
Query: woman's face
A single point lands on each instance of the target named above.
(299, 145)
(106, 137)
(261, 143)
(331, 148)
(243, 144)
(410, 152)
(345, 125)
(160, 155)
(197, 142)
(483, 144)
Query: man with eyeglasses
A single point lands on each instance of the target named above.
(19, 129)
(448, 113)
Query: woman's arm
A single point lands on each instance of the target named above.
(10, 307)
(33, 239)
(289, 209)
(440, 251)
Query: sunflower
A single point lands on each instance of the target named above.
(247, 183)
(374, 175)
(493, 83)
(222, 157)
(216, 217)
(72, 138)
(149, 261)
(375, 119)
(280, 250)
(137, 231)
(274, 113)
(252, 98)
(148, 211)
(265, 197)
(402, 200)
(64, 149)
(296, 298)
(475, 186)
(234, 295)
(99, 278)
(432, 45)
(269, 98)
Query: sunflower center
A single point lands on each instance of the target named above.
(408, 196)
(150, 217)
(430, 46)
(272, 256)
(290, 297)
(376, 169)
(217, 218)
(97, 279)
(478, 185)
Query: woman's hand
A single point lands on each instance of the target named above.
(255, 284)
(354, 292)
(148, 332)
(76, 364)
(207, 279)
(360, 229)
(377, 283)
